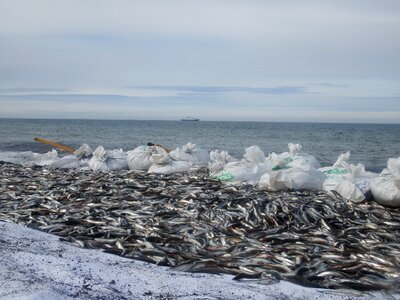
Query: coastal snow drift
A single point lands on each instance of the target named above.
(36, 265)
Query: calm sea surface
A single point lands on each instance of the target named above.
(370, 144)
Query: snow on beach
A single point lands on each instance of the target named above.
(36, 265)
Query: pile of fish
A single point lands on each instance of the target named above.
(193, 223)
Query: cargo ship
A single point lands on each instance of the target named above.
(190, 119)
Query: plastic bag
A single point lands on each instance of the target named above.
(69, 162)
(340, 168)
(295, 178)
(386, 187)
(171, 167)
(270, 182)
(293, 158)
(218, 160)
(254, 154)
(346, 187)
(79, 160)
(164, 164)
(20, 158)
(242, 171)
(190, 152)
(29, 158)
(393, 165)
(141, 158)
(352, 182)
(45, 159)
(83, 151)
(160, 156)
(108, 160)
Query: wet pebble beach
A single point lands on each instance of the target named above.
(192, 223)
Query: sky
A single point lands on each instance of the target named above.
(238, 60)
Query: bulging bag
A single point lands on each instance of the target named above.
(386, 187)
(254, 154)
(45, 159)
(108, 160)
(293, 158)
(191, 153)
(171, 167)
(346, 187)
(83, 151)
(160, 156)
(70, 162)
(141, 157)
(218, 160)
(242, 171)
(352, 182)
(20, 158)
(294, 178)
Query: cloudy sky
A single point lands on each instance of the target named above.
(258, 60)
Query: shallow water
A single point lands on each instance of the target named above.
(370, 144)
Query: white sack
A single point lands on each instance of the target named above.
(45, 159)
(293, 158)
(70, 162)
(190, 152)
(254, 154)
(269, 182)
(352, 182)
(140, 158)
(295, 178)
(346, 187)
(242, 171)
(20, 158)
(29, 158)
(386, 187)
(218, 160)
(393, 165)
(171, 167)
(160, 156)
(386, 190)
(108, 160)
(83, 151)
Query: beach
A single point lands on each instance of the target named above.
(35, 265)
(200, 150)
(193, 223)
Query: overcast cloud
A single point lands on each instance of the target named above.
(258, 60)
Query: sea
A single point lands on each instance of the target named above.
(369, 144)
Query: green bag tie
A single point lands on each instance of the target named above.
(224, 176)
(336, 171)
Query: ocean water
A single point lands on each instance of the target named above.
(369, 144)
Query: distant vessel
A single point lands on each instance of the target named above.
(190, 119)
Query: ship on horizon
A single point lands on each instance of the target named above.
(191, 119)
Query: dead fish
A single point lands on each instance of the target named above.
(193, 223)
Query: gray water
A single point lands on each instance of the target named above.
(370, 144)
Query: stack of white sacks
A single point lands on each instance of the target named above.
(289, 170)
(155, 159)
(293, 170)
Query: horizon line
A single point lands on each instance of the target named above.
(178, 120)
